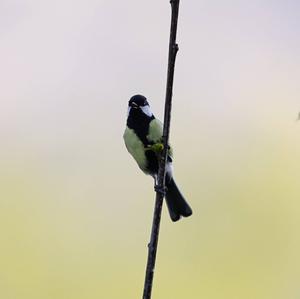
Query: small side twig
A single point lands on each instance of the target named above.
(152, 246)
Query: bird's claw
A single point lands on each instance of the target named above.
(160, 189)
(156, 147)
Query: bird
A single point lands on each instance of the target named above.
(143, 140)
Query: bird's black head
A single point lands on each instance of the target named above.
(138, 108)
(138, 101)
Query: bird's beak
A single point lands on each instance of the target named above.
(134, 105)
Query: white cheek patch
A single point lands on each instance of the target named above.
(146, 110)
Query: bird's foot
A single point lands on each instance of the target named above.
(160, 189)
(156, 147)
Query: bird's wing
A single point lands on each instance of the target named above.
(155, 131)
(135, 147)
(155, 134)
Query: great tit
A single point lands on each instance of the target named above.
(143, 140)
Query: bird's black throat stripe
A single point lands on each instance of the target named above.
(139, 122)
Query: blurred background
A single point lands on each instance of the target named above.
(76, 212)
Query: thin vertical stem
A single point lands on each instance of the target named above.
(152, 246)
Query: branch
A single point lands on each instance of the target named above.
(152, 246)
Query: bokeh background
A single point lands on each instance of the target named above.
(75, 211)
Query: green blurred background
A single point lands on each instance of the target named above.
(75, 211)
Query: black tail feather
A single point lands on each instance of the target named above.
(176, 203)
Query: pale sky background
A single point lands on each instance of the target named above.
(75, 212)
